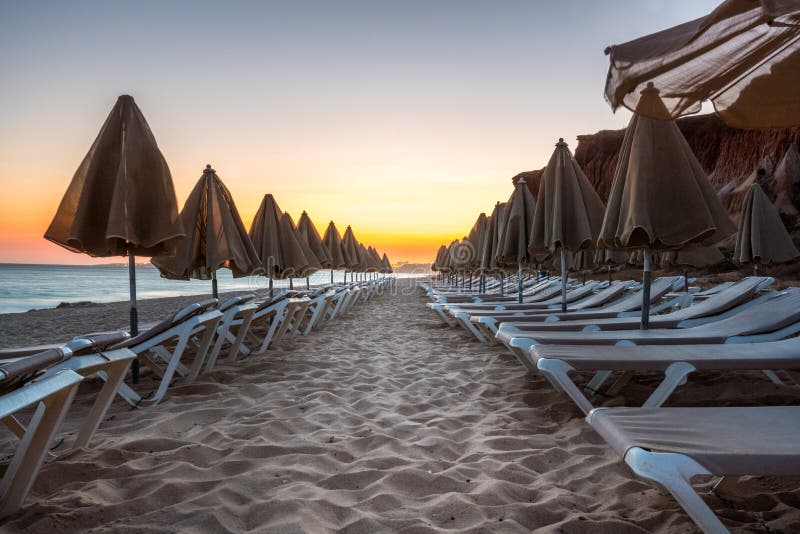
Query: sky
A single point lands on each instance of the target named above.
(404, 119)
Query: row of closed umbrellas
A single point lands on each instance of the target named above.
(121, 202)
(661, 205)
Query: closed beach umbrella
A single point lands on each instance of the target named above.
(216, 236)
(439, 261)
(309, 263)
(387, 265)
(278, 247)
(477, 236)
(309, 233)
(350, 251)
(332, 242)
(661, 198)
(568, 216)
(121, 201)
(488, 253)
(513, 245)
(761, 238)
(744, 57)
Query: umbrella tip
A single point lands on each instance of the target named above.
(561, 142)
(208, 168)
(125, 97)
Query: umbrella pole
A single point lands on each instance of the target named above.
(214, 292)
(519, 283)
(331, 276)
(645, 323)
(563, 280)
(308, 284)
(134, 312)
(291, 283)
(609, 274)
(270, 287)
(686, 280)
(482, 284)
(502, 288)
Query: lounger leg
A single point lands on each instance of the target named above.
(240, 334)
(55, 396)
(115, 374)
(674, 472)
(597, 382)
(169, 372)
(439, 309)
(620, 383)
(202, 352)
(557, 372)
(521, 347)
(673, 376)
(462, 318)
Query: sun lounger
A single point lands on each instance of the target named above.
(52, 396)
(677, 362)
(623, 306)
(578, 300)
(775, 318)
(670, 446)
(87, 355)
(724, 304)
(164, 344)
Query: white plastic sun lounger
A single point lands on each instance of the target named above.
(773, 319)
(723, 304)
(670, 446)
(52, 396)
(164, 344)
(585, 301)
(677, 362)
(86, 355)
(627, 304)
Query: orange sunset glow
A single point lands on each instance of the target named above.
(405, 138)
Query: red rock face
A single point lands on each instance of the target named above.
(732, 158)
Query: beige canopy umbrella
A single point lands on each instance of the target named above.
(513, 244)
(568, 214)
(121, 201)
(217, 238)
(277, 245)
(332, 242)
(761, 238)
(661, 198)
(744, 57)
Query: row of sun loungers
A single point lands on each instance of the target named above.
(183, 346)
(735, 326)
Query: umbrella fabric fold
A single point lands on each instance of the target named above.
(761, 237)
(350, 251)
(216, 237)
(311, 263)
(568, 216)
(744, 57)
(332, 242)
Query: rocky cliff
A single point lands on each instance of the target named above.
(732, 158)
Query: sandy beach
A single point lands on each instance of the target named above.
(385, 420)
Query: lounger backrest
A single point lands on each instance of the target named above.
(96, 341)
(190, 311)
(658, 288)
(15, 373)
(774, 314)
(740, 292)
(604, 295)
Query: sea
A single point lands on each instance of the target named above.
(29, 287)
